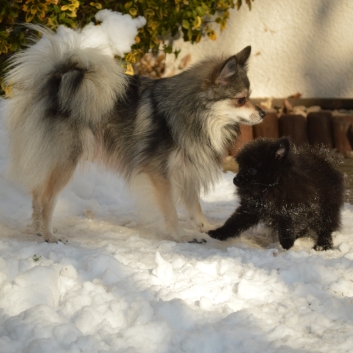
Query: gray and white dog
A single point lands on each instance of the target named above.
(72, 104)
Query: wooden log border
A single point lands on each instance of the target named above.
(318, 128)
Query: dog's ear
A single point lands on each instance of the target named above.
(230, 66)
(228, 70)
(243, 56)
(282, 148)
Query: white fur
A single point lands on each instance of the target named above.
(225, 113)
(45, 150)
(32, 151)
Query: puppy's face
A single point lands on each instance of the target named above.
(260, 162)
(230, 91)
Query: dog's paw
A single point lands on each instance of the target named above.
(183, 236)
(50, 238)
(61, 240)
(205, 226)
(192, 239)
(198, 241)
(323, 244)
(286, 243)
(218, 234)
(325, 247)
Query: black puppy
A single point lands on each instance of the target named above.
(291, 191)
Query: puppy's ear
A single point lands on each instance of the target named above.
(283, 147)
(230, 66)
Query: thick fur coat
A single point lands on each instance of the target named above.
(291, 190)
(71, 104)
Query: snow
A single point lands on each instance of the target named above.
(122, 285)
(114, 35)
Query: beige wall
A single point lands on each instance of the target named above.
(301, 46)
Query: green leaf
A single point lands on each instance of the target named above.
(168, 49)
(165, 18)
(149, 12)
(185, 24)
(153, 5)
(133, 11)
(176, 53)
(36, 258)
(128, 5)
(190, 35)
(200, 11)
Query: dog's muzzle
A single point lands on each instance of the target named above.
(262, 113)
(237, 181)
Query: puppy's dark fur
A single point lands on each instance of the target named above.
(291, 191)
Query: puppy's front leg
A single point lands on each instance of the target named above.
(242, 219)
(286, 235)
(163, 195)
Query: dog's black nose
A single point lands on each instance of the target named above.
(261, 112)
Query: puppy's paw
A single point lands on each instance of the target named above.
(325, 247)
(323, 244)
(286, 243)
(219, 234)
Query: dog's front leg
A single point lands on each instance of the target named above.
(192, 203)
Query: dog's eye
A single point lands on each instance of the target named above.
(252, 171)
(241, 101)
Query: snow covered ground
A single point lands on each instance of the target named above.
(120, 285)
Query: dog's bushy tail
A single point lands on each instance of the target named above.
(61, 91)
(65, 77)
